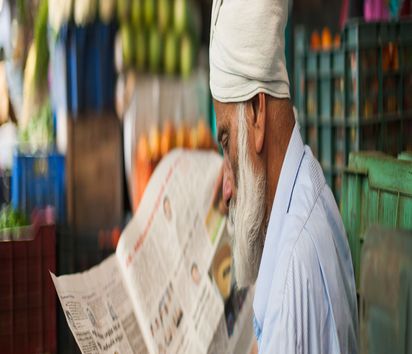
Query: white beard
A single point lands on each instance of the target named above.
(247, 212)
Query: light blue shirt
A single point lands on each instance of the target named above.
(305, 297)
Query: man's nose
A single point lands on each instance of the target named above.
(227, 190)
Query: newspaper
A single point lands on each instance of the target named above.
(167, 289)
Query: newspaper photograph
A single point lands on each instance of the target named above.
(168, 288)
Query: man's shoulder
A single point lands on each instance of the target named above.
(297, 262)
(306, 227)
(308, 187)
(303, 255)
(313, 207)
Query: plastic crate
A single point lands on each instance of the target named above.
(385, 296)
(299, 81)
(376, 189)
(27, 295)
(106, 74)
(338, 62)
(38, 180)
(326, 95)
(301, 40)
(312, 63)
(76, 66)
(325, 62)
(359, 34)
(405, 155)
(359, 92)
(90, 67)
(405, 32)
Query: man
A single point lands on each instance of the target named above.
(288, 234)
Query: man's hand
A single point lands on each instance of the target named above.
(218, 201)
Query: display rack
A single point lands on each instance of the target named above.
(355, 97)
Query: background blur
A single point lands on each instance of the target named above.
(93, 93)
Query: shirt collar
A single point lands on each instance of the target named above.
(288, 174)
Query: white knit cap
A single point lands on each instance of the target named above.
(247, 49)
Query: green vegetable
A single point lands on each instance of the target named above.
(10, 218)
(127, 44)
(136, 10)
(123, 9)
(181, 15)
(155, 50)
(40, 44)
(171, 53)
(164, 14)
(21, 12)
(186, 56)
(149, 12)
(39, 131)
(141, 50)
(187, 18)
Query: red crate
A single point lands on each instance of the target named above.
(6, 324)
(6, 344)
(36, 329)
(6, 283)
(27, 295)
(20, 322)
(35, 342)
(21, 344)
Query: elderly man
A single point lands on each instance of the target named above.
(288, 236)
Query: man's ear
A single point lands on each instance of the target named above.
(259, 120)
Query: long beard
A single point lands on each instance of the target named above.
(246, 213)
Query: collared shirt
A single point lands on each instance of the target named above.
(305, 297)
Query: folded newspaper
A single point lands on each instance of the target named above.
(168, 287)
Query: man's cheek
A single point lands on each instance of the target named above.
(227, 189)
(234, 177)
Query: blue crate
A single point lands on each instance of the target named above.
(405, 32)
(299, 82)
(301, 41)
(104, 63)
(361, 34)
(325, 63)
(312, 63)
(38, 180)
(326, 99)
(388, 32)
(76, 68)
(90, 67)
(338, 62)
(92, 64)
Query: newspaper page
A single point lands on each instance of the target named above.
(165, 254)
(98, 310)
(168, 288)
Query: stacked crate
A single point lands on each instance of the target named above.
(27, 295)
(38, 181)
(355, 97)
(376, 190)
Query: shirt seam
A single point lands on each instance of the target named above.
(298, 238)
(290, 260)
(294, 181)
